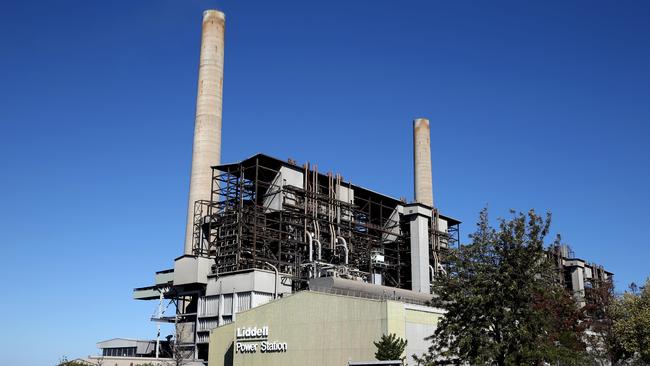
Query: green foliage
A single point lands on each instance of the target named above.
(390, 347)
(601, 340)
(504, 304)
(631, 324)
(64, 362)
(563, 323)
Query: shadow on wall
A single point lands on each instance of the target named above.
(228, 356)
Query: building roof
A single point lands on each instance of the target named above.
(142, 346)
(342, 286)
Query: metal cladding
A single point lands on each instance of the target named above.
(206, 151)
(422, 161)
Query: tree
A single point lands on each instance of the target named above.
(603, 346)
(564, 326)
(504, 303)
(631, 324)
(64, 362)
(390, 347)
(181, 354)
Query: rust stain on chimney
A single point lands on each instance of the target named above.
(423, 185)
(206, 150)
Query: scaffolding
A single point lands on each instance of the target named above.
(307, 225)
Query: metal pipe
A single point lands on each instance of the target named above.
(319, 248)
(160, 310)
(310, 240)
(275, 289)
(316, 270)
(345, 246)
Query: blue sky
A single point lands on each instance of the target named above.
(541, 105)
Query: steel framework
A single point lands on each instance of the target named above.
(254, 219)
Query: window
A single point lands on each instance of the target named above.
(119, 352)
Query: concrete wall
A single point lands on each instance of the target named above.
(319, 329)
(322, 330)
(419, 241)
(419, 323)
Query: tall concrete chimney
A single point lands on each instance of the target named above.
(422, 161)
(206, 150)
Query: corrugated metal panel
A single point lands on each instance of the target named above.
(243, 301)
(227, 304)
(442, 225)
(203, 338)
(201, 307)
(208, 324)
(209, 306)
(226, 320)
(260, 298)
(145, 347)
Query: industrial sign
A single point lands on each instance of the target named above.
(252, 339)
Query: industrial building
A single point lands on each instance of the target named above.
(577, 274)
(285, 264)
(130, 352)
(272, 228)
(263, 228)
(319, 329)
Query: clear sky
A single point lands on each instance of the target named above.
(533, 104)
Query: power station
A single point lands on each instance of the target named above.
(283, 264)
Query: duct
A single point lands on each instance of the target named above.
(206, 150)
(276, 194)
(319, 249)
(345, 247)
(391, 229)
(311, 241)
(343, 286)
(346, 195)
(422, 162)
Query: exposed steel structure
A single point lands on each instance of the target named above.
(307, 224)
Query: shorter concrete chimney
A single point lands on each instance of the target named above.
(422, 161)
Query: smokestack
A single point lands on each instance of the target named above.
(422, 161)
(206, 150)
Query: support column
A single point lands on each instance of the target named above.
(419, 217)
